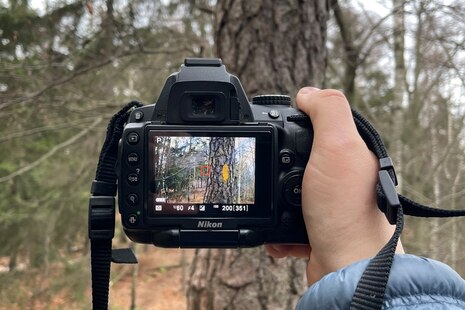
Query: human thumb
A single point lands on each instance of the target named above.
(329, 112)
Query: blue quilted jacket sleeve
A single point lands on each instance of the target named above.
(415, 283)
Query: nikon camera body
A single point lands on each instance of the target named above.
(204, 167)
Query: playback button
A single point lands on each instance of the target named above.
(132, 138)
(293, 190)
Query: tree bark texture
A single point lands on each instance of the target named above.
(220, 185)
(273, 47)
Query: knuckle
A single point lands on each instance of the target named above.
(333, 94)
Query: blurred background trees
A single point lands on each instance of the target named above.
(67, 66)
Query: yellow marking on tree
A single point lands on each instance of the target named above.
(225, 172)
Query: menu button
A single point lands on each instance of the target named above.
(133, 159)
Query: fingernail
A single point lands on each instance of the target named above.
(308, 89)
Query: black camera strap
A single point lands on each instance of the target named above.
(102, 212)
(370, 290)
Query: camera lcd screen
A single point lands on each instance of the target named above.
(209, 174)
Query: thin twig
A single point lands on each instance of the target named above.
(55, 149)
(36, 130)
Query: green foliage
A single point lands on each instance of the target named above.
(16, 24)
(63, 73)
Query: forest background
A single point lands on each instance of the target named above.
(67, 66)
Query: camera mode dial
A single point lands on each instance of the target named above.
(272, 100)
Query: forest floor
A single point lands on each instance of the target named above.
(160, 281)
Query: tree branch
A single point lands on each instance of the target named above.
(78, 73)
(56, 83)
(450, 58)
(33, 131)
(204, 8)
(55, 149)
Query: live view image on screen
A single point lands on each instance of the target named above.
(205, 170)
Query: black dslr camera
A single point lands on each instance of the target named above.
(204, 167)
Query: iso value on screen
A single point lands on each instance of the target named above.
(235, 208)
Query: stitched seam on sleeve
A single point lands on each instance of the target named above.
(445, 300)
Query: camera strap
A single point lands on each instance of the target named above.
(102, 212)
(370, 290)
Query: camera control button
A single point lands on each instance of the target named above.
(133, 179)
(133, 159)
(138, 115)
(132, 199)
(133, 219)
(286, 158)
(132, 138)
(273, 114)
(293, 190)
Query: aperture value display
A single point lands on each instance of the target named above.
(204, 175)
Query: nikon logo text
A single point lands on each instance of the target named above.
(208, 224)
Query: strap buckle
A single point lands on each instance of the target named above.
(386, 164)
(101, 217)
(392, 199)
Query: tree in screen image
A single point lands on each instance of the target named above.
(220, 184)
(178, 168)
(231, 170)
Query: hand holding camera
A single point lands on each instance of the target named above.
(338, 190)
(203, 167)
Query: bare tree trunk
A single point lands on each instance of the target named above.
(454, 245)
(351, 52)
(134, 272)
(455, 241)
(435, 244)
(415, 102)
(219, 187)
(108, 29)
(13, 261)
(399, 87)
(273, 48)
(412, 132)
